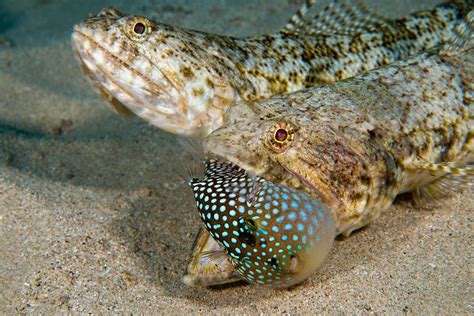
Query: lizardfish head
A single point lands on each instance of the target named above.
(274, 140)
(163, 74)
(307, 141)
(255, 141)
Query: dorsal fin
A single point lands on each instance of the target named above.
(348, 17)
(297, 19)
(464, 39)
(341, 17)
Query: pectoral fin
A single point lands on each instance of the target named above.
(446, 178)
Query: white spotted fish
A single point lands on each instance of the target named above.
(183, 81)
(273, 235)
(358, 143)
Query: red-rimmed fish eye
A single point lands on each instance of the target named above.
(280, 137)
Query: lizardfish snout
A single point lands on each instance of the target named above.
(153, 70)
(113, 51)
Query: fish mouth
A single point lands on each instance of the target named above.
(146, 99)
(273, 171)
(225, 152)
(311, 187)
(203, 270)
(105, 94)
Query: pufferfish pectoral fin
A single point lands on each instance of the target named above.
(447, 178)
(210, 264)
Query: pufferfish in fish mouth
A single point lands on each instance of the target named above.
(273, 235)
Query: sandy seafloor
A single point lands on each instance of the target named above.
(94, 218)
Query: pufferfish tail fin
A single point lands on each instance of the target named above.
(448, 178)
(194, 166)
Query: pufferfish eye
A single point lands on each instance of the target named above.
(280, 136)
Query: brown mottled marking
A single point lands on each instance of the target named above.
(198, 92)
(187, 73)
(209, 83)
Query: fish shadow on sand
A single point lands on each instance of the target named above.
(161, 243)
(155, 220)
(158, 231)
(158, 221)
(118, 162)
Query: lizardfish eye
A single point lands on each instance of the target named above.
(138, 29)
(280, 137)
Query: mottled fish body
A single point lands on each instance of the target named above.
(183, 81)
(356, 144)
